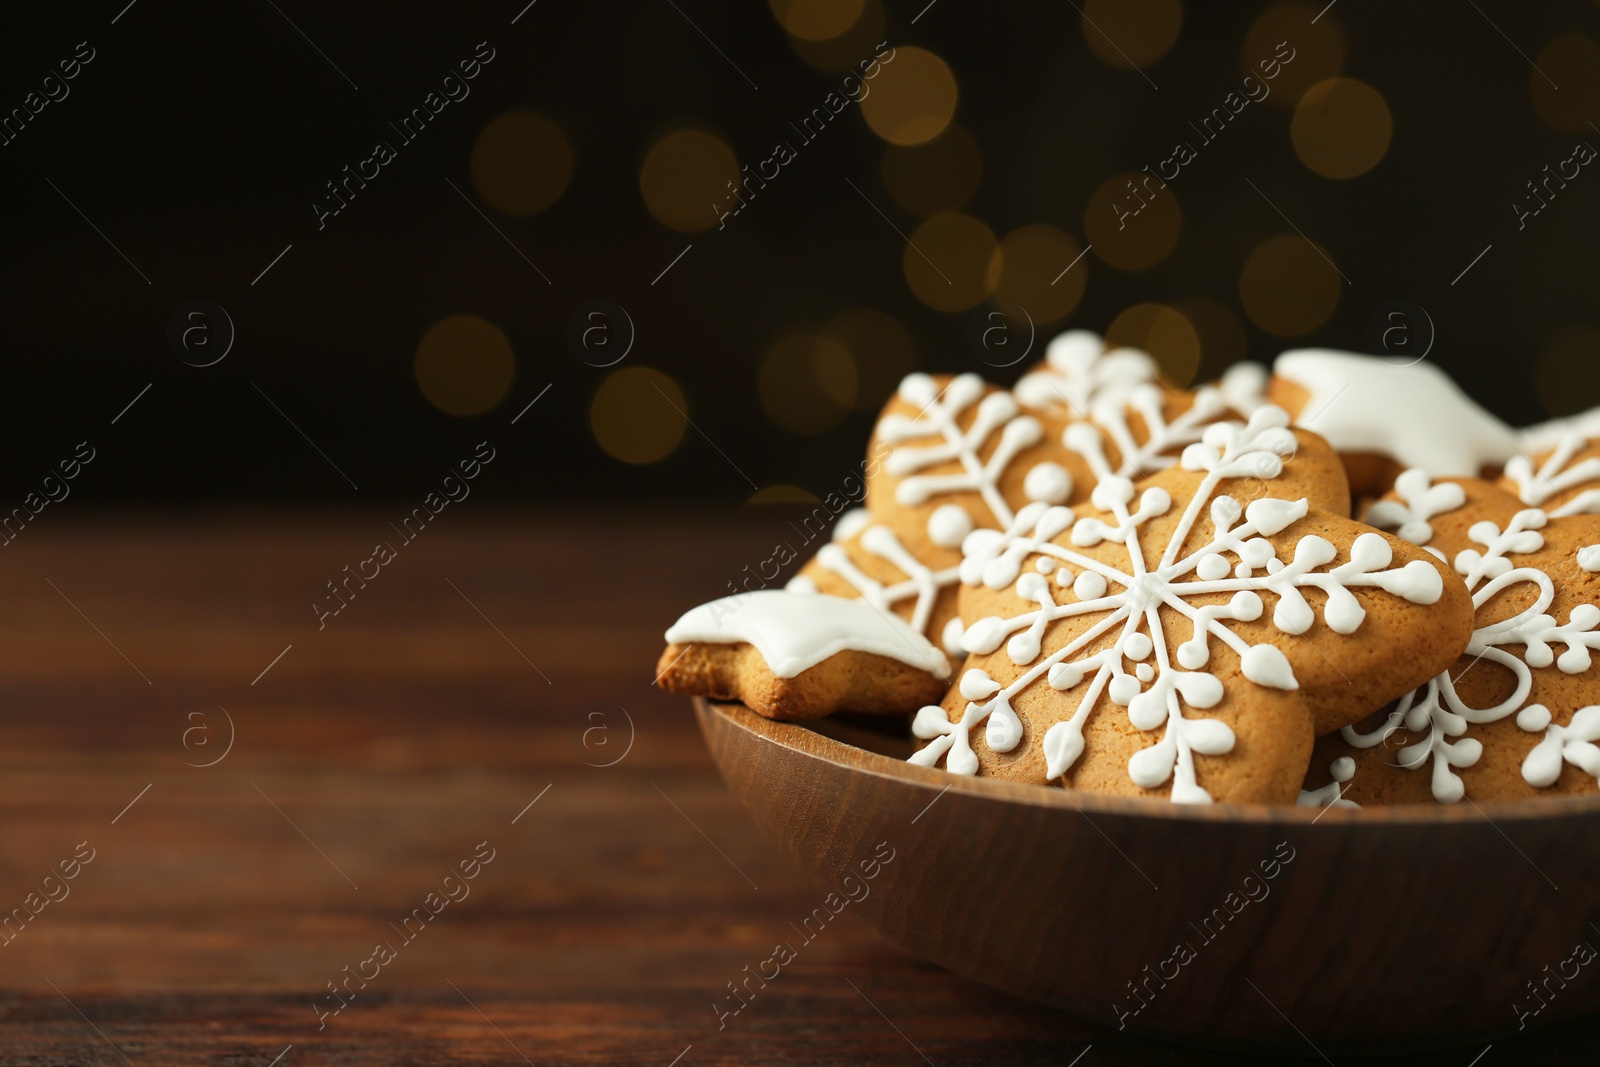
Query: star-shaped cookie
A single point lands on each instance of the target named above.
(1384, 416)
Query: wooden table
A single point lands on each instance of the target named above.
(471, 692)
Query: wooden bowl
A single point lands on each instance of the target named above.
(1378, 930)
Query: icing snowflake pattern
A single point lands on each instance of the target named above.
(1079, 374)
(1106, 387)
(1239, 560)
(996, 412)
(1557, 474)
(1435, 707)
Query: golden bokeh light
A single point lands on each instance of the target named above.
(807, 382)
(1341, 128)
(848, 50)
(816, 20)
(938, 175)
(1031, 260)
(521, 163)
(912, 99)
(783, 494)
(1564, 376)
(1287, 287)
(638, 415)
(464, 365)
(1165, 333)
(684, 175)
(951, 262)
(1132, 222)
(1289, 54)
(1222, 339)
(881, 349)
(1572, 62)
(1130, 34)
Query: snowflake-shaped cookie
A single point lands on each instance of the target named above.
(1188, 633)
(1508, 719)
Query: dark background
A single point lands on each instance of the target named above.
(198, 137)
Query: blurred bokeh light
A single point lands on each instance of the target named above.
(912, 98)
(1572, 62)
(521, 163)
(951, 262)
(464, 365)
(1031, 264)
(638, 415)
(807, 381)
(1129, 34)
(1132, 222)
(684, 175)
(1288, 287)
(1341, 128)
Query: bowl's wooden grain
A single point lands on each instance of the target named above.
(1388, 930)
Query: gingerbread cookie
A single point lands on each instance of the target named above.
(1512, 717)
(1187, 635)
(791, 655)
(1383, 417)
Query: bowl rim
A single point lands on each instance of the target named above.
(797, 737)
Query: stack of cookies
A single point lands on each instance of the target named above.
(1340, 582)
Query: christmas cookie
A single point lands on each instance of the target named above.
(1383, 417)
(791, 655)
(1515, 715)
(1187, 635)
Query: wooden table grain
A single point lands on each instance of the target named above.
(267, 800)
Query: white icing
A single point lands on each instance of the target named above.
(1244, 387)
(921, 581)
(1128, 604)
(1048, 482)
(937, 418)
(1557, 474)
(1341, 770)
(1435, 706)
(1082, 382)
(1414, 414)
(1589, 558)
(1420, 500)
(1547, 435)
(801, 584)
(794, 632)
(949, 525)
(1162, 438)
(1572, 743)
(1079, 374)
(851, 523)
(951, 638)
